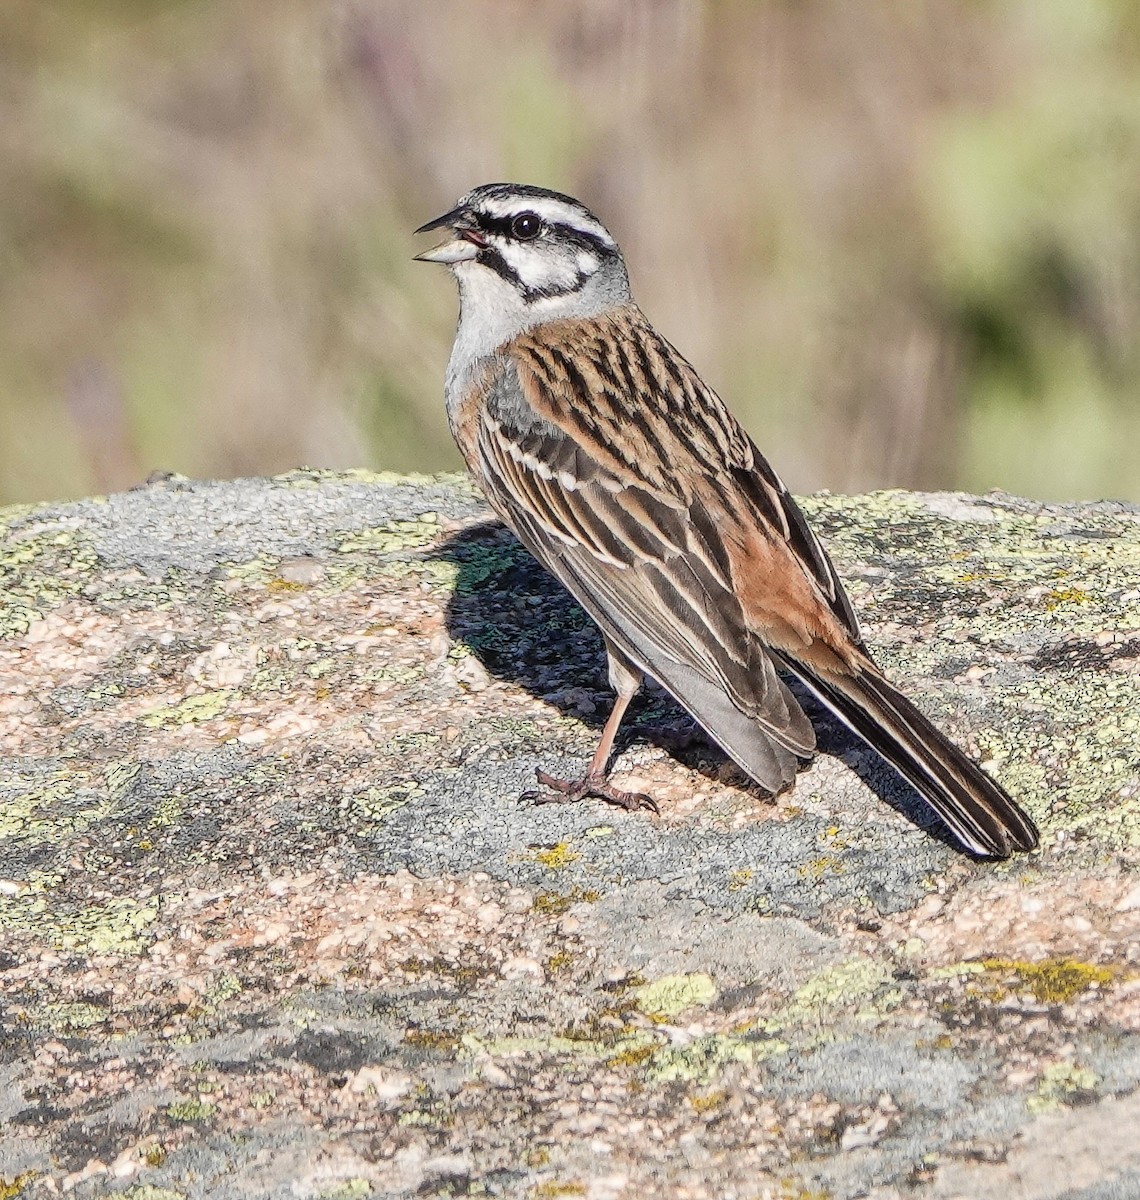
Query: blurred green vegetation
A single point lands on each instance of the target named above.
(902, 237)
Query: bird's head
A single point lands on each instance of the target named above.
(529, 254)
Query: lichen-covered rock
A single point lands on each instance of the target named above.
(274, 922)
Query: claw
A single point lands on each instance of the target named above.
(567, 791)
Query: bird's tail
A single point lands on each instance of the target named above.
(977, 810)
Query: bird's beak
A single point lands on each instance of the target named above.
(462, 247)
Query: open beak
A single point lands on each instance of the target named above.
(464, 244)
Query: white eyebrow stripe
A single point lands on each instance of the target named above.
(557, 212)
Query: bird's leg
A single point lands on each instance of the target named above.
(625, 679)
(595, 782)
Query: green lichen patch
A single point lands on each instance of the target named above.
(1063, 1084)
(193, 710)
(857, 985)
(116, 927)
(41, 566)
(135, 595)
(1071, 744)
(49, 807)
(186, 1112)
(376, 803)
(167, 812)
(225, 987)
(257, 571)
(477, 560)
(394, 537)
(402, 745)
(671, 995)
(702, 1060)
(347, 1189)
(400, 676)
(70, 1016)
(119, 777)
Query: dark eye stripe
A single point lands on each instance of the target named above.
(501, 226)
(498, 225)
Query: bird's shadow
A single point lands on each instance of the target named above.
(524, 627)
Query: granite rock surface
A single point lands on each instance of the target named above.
(274, 921)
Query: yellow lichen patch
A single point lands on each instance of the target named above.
(555, 857)
(791, 1190)
(556, 903)
(1052, 980)
(739, 880)
(632, 1056)
(1063, 596)
(11, 1188)
(709, 1102)
(671, 995)
(817, 868)
(430, 1039)
(553, 1188)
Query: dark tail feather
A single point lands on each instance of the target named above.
(978, 811)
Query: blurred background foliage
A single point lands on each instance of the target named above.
(901, 237)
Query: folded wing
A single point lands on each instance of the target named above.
(649, 572)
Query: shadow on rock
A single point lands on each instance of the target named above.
(526, 628)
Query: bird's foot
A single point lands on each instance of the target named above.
(570, 791)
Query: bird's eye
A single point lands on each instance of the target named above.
(526, 226)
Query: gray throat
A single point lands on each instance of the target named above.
(491, 313)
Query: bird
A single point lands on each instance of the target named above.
(629, 480)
